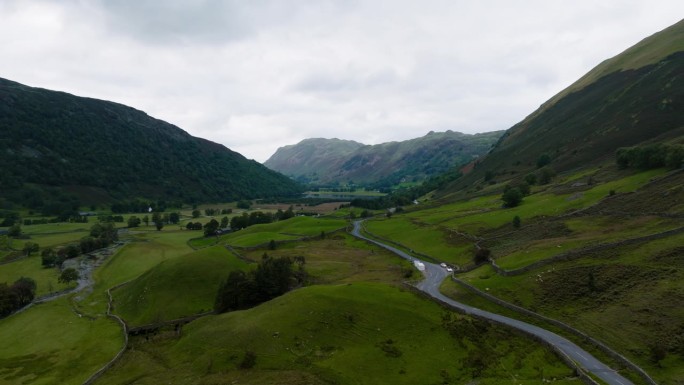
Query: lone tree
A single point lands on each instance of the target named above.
(68, 275)
(30, 247)
(516, 222)
(512, 197)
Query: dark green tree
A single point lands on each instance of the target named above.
(133, 221)
(30, 247)
(512, 197)
(48, 257)
(543, 160)
(68, 275)
(174, 218)
(211, 227)
(516, 222)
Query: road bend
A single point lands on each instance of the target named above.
(435, 274)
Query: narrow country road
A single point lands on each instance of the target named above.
(434, 275)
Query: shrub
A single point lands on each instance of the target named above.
(512, 197)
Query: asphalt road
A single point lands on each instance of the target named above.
(435, 274)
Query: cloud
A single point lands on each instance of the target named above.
(257, 75)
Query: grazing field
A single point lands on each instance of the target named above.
(293, 228)
(434, 241)
(176, 288)
(46, 278)
(358, 333)
(50, 344)
(344, 259)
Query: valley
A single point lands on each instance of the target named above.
(134, 253)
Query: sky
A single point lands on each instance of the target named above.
(255, 75)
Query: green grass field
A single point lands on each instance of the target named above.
(340, 334)
(176, 288)
(46, 278)
(293, 228)
(426, 239)
(50, 344)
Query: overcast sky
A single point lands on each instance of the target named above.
(255, 75)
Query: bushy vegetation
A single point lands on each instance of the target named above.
(271, 278)
(651, 156)
(17, 295)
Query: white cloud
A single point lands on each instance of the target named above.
(258, 75)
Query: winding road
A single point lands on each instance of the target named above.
(434, 275)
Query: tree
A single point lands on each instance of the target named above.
(272, 245)
(25, 290)
(30, 247)
(244, 204)
(68, 275)
(133, 221)
(157, 220)
(14, 231)
(512, 197)
(196, 213)
(211, 227)
(546, 174)
(481, 255)
(146, 219)
(516, 222)
(174, 218)
(543, 160)
(224, 222)
(48, 257)
(531, 179)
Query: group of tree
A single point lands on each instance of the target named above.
(272, 278)
(16, 296)
(101, 235)
(211, 212)
(258, 217)
(651, 156)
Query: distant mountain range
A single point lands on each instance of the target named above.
(56, 146)
(332, 161)
(634, 98)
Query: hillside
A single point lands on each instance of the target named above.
(312, 159)
(60, 143)
(329, 161)
(633, 98)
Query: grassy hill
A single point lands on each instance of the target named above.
(337, 334)
(176, 288)
(55, 145)
(331, 161)
(631, 99)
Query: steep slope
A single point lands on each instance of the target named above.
(56, 139)
(384, 164)
(633, 98)
(313, 158)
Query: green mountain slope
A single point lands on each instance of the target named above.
(634, 98)
(54, 139)
(313, 158)
(327, 161)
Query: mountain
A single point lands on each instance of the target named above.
(314, 157)
(57, 144)
(327, 161)
(634, 98)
